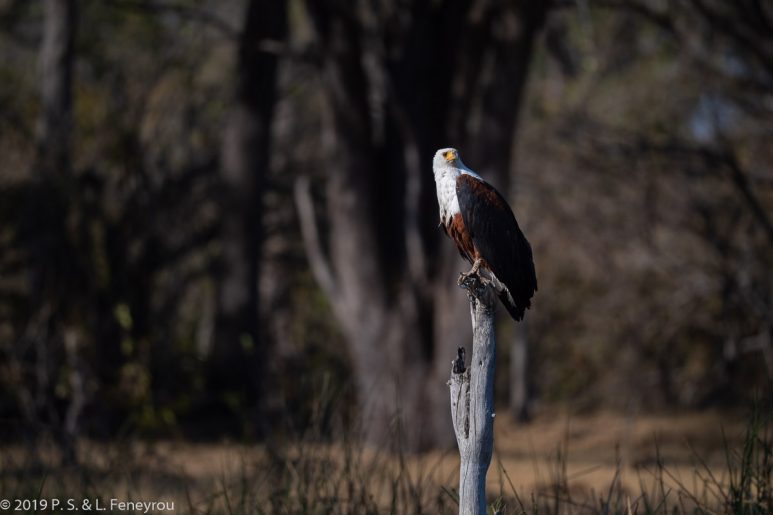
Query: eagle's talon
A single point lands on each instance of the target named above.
(473, 282)
(468, 279)
(473, 273)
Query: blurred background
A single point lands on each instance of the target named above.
(218, 218)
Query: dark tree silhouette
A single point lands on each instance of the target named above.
(239, 354)
(51, 336)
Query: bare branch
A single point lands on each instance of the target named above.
(708, 160)
(320, 266)
(739, 34)
(738, 176)
(741, 183)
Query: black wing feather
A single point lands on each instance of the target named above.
(495, 233)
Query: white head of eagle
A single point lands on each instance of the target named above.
(479, 220)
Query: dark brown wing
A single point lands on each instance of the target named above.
(497, 237)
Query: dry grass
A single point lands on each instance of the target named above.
(557, 464)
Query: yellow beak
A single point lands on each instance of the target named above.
(450, 155)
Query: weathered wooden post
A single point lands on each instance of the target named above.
(472, 399)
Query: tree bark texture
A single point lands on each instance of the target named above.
(472, 404)
(388, 274)
(237, 359)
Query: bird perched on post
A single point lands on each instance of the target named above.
(479, 220)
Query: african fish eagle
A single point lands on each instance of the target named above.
(479, 220)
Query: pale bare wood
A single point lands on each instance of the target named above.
(472, 400)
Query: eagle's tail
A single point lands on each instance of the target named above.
(504, 295)
(515, 311)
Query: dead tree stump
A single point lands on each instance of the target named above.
(472, 399)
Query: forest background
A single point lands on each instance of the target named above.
(218, 218)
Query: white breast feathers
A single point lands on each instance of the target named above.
(446, 194)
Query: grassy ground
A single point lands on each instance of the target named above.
(604, 463)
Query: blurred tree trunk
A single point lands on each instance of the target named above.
(56, 68)
(520, 378)
(390, 280)
(239, 354)
(52, 261)
(381, 340)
